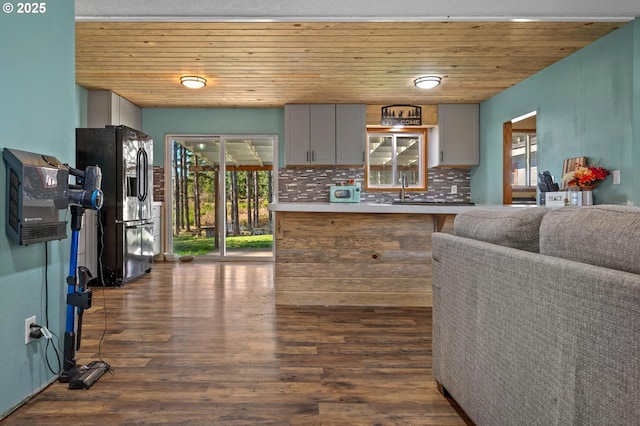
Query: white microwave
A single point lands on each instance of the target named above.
(344, 193)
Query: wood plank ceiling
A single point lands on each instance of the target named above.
(253, 64)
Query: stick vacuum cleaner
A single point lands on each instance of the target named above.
(85, 195)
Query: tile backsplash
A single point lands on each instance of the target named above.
(312, 185)
(158, 183)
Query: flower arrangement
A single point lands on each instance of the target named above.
(585, 176)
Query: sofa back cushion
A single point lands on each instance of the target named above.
(515, 227)
(602, 235)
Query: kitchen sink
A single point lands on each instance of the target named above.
(431, 203)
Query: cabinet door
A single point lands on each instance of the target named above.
(101, 108)
(156, 216)
(455, 141)
(296, 136)
(351, 134)
(323, 134)
(433, 147)
(130, 114)
(107, 108)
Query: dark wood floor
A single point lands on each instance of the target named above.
(203, 343)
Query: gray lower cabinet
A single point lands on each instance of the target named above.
(455, 141)
(324, 134)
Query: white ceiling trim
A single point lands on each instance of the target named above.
(116, 18)
(355, 10)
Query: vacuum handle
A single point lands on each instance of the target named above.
(84, 278)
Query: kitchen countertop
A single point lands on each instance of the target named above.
(440, 208)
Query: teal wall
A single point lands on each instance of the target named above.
(585, 105)
(38, 113)
(156, 122)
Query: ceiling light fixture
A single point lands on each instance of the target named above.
(427, 82)
(193, 82)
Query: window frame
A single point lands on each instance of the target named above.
(530, 177)
(422, 158)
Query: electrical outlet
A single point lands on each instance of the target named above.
(454, 189)
(27, 329)
(616, 177)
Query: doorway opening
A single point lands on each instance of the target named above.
(520, 160)
(217, 189)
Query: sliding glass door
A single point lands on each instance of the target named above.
(220, 189)
(248, 181)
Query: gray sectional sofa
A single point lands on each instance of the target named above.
(536, 315)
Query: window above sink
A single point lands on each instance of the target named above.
(392, 154)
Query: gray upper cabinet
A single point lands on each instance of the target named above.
(322, 125)
(107, 108)
(296, 134)
(324, 134)
(310, 135)
(455, 141)
(351, 134)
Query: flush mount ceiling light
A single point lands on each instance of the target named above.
(427, 82)
(193, 82)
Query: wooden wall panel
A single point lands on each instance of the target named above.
(355, 284)
(353, 259)
(351, 269)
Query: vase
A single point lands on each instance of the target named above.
(575, 196)
(581, 195)
(587, 194)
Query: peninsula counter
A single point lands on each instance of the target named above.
(357, 254)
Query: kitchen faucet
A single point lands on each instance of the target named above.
(403, 179)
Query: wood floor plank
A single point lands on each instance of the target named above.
(204, 343)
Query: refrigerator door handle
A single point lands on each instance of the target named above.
(142, 167)
(146, 174)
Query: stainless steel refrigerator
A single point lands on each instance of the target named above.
(125, 229)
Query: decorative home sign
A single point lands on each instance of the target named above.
(401, 115)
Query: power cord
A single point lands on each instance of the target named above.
(104, 293)
(39, 331)
(46, 318)
(104, 300)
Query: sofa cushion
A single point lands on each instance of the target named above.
(517, 227)
(602, 235)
